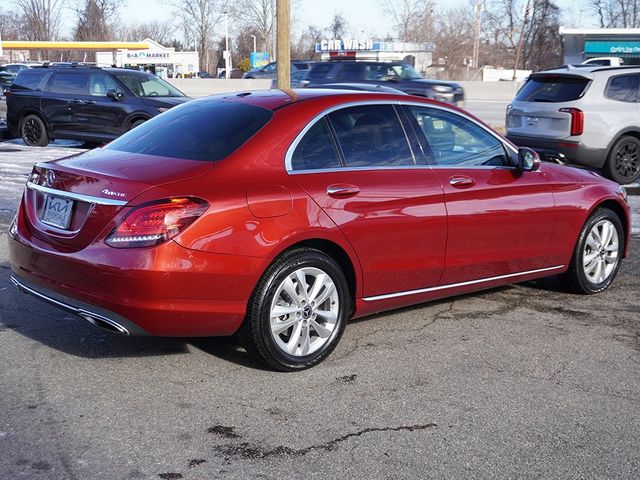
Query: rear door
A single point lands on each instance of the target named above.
(500, 221)
(66, 92)
(358, 166)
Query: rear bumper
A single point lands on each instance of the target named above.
(164, 291)
(562, 151)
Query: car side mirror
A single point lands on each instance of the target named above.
(528, 160)
(114, 95)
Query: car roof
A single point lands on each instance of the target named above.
(274, 99)
(585, 70)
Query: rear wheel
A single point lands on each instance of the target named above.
(33, 131)
(623, 161)
(596, 258)
(298, 311)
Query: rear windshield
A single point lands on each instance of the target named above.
(320, 70)
(552, 89)
(29, 79)
(197, 130)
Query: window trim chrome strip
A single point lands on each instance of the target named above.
(76, 196)
(461, 284)
(289, 155)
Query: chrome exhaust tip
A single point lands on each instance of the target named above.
(103, 322)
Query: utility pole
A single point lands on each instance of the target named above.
(227, 59)
(519, 47)
(476, 36)
(283, 55)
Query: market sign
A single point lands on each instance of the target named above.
(145, 55)
(612, 47)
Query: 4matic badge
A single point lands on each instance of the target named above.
(106, 191)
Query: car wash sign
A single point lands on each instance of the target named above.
(344, 45)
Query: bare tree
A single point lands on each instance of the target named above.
(10, 26)
(162, 32)
(304, 48)
(339, 26)
(200, 18)
(412, 19)
(40, 18)
(617, 13)
(96, 19)
(259, 15)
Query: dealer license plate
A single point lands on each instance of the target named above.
(57, 212)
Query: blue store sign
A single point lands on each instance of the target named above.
(612, 48)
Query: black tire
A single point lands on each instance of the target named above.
(623, 161)
(136, 123)
(576, 278)
(256, 334)
(33, 131)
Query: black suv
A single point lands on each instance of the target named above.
(398, 75)
(84, 103)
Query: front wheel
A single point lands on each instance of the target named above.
(298, 311)
(596, 258)
(623, 161)
(33, 131)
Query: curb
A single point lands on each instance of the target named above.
(633, 189)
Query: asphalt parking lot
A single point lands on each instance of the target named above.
(523, 381)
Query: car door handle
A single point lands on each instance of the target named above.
(342, 190)
(75, 100)
(461, 181)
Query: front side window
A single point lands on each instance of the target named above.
(147, 85)
(69, 83)
(316, 150)
(623, 88)
(371, 135)
(100, 84)
(456, 141)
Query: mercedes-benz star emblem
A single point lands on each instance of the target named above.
(51, 178)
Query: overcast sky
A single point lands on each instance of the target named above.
(366, 17)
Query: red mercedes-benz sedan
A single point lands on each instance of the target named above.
(282, 215)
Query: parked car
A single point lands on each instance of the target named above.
(271, 71)
(605, 61)
(282, 217)
(586, 116)
(7, 77)
(400, 76)
(359, 86)
(90, 104)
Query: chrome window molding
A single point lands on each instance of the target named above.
(461, 284)
(76, 196)
(409, 103)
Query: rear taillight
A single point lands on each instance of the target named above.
(577, 120)
(157, 222)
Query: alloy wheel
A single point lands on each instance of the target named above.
(304, 312)
(601, 252)
(31, 131)
(627, 161)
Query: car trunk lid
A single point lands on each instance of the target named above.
(69, 202)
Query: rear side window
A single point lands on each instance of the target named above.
(70, 83)
(320, 71)
(623, 88)
(371, 136)
(350, 72)
(29, 79)
(207, 131)
(315, 150)
(553, 89)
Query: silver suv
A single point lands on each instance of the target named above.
(586, 115)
